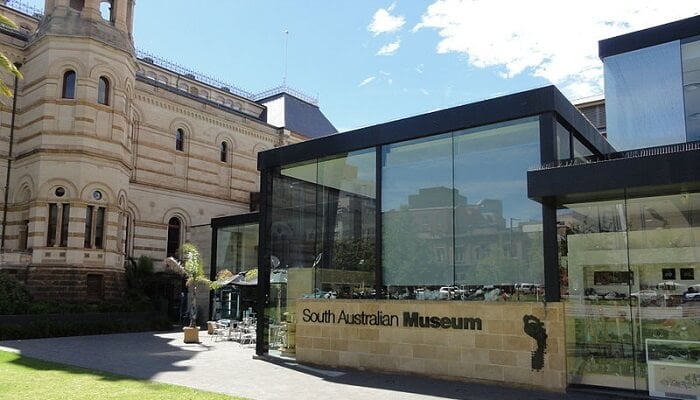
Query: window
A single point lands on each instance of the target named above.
(223, 149)
(180, 140)
(174, 228)
(59, 216)
(106, 8)
(103, 91)
(94, 227)
(68, 85)
(95, 287)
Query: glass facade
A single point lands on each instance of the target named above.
(456, 221)
(644, 98)
(690, 53)
(630, 274)
(236, 251)
(323, 224)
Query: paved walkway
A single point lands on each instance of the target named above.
(229, 367)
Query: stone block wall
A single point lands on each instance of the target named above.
(501, 351)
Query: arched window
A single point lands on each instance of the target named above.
(174, 228)
(68, 85)
(106, 10)
(103, 91)
(180, 140)
(223, 151)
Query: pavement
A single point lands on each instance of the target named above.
(232, 368)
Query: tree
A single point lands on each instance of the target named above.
(193, 269)
(5, 62)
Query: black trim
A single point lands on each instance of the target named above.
(550, 251)
(663, 173)
(656, 35)
(264, 228)
(506, 108)
(240, 219)
(378, 239)
(212, 270)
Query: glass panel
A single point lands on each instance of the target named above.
(69, 85)
(237, 248)
(237, 251)
(498, 230)
(691, 88)
(99, 227)
(103, 91)
(629, 280)
(661, 246)
(580, 151)
(65, 220)
(87, 243)
(51, 228)
(417, 209)
(347, 202)
(643, 97)
(293, 248)
(563, 142)
(595, 286)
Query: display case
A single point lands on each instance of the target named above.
(673, 368)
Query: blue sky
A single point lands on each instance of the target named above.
(374, 61)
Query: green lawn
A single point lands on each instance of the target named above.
(27, 378)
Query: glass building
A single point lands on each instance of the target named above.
(503, 240)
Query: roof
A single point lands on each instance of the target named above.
(302, 117)
(653, 36)
(519, 105)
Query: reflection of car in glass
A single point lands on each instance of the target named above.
(649, 296)
(321, 294)
(692, 294)
(450, 292)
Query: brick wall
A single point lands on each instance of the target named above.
(500, 352)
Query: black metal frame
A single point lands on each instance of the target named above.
(515, 106)
(221, 222)
(676, 30)
(548, 103)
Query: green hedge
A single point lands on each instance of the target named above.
(14, 296)
(57, 328)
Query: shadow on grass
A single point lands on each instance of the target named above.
(134, 355)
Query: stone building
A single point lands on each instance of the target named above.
(108, 153)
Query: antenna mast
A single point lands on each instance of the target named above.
(286, 47)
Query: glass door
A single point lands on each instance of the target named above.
(596, 290)
(629, 281)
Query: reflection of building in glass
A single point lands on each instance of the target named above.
(427, 212)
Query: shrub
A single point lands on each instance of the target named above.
(14, 297)
(51, 328)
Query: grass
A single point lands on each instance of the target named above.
(27, 378)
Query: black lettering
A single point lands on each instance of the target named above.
(410, 319)
(446, 323)
(307, 317)
(472, 323)
(434, 322)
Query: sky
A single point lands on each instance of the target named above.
(369, 62)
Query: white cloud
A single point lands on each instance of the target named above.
(384, 22)
(560, 45)
(389, 49)
(419, 68)
(366, 81)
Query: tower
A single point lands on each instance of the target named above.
(70, 178)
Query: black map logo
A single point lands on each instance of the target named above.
(534, 328)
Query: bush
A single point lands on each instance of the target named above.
(14, 297)
(48, 328)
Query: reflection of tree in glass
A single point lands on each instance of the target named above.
(408, 258)
(354, 254)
